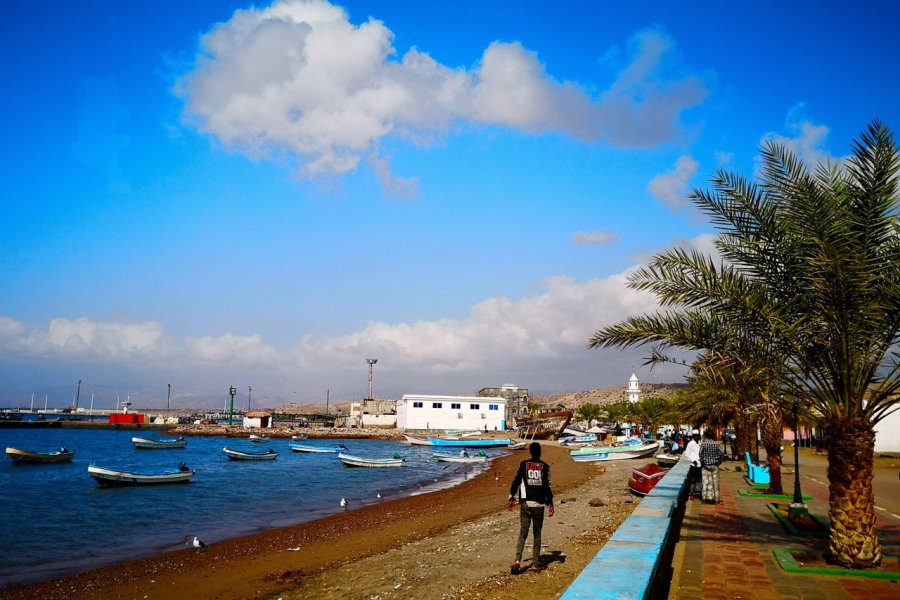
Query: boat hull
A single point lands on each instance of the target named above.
(314, 449)
(26, 456)
(113, 478)
(417, 441)
(645, 478)
(241, 455)
(358, 461)
(470, 443)
(613, 453)
(145, 444)
(667, 460)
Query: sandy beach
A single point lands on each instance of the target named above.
(454, 543)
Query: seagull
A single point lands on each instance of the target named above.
(378, 495)
(343, 503)
(198, 543)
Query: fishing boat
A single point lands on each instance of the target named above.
(598, 453)
(517, 446)
(470, 442)
(269, 454)
(159, 443)
(456, 458)
(26, 456)
(417, 441)
(667, 460)
(359, 461)
(643, 479)
(299, 437)
(259, 439)
(316, 449)
(111, 477)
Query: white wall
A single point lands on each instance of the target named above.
(451, 412)
(379, 420)
(887, 434)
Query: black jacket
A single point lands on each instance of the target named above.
(532, 482)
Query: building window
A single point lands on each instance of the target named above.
(475, 406)
(455, 406)
(417, 405)
(437, 405)
(492, 407)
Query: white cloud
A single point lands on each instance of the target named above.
(602, 237)
(671, 188)
(299, 81)
(806, 139)
(232, 349)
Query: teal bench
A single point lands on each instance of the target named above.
(756, 474)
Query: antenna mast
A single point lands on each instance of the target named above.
(371, 362)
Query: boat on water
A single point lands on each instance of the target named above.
(598, 453)
(643, 479)
(299, 437)
(259, 439)
(316, 449)
(667, 460)
(111, 477)
(27, 456)
(457, 458)
(268, 454)
(359, 461)
(159, 443)
(470, 442)
(417, 441)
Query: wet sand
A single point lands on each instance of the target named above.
(268, 564)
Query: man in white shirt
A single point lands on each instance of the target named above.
(692, 453)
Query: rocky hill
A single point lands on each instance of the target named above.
(604, 396)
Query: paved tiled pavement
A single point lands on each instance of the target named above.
(725, 550)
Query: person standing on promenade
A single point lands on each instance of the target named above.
(692, 453)
(532, 484)
(711, 456)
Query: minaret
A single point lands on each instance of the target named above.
(634, 389)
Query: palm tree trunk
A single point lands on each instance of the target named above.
(743, 430)
(854, 537)
(772, 439)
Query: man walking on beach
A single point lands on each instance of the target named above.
(711, 456)
(532, 484)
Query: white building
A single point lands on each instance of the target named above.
(887, 434)
(451, 412)
(634, 389)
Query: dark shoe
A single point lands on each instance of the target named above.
(516, 567)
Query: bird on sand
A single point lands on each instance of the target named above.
(343, 503)
(198, 543)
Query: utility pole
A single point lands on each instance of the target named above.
(327, 395)
(168, 396)
(249, 391)
(77, 395)
(232, 391)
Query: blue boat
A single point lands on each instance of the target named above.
(470, 442)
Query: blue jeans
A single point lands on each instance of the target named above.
(528, 517)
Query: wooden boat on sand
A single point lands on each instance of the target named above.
(111, 477)
(158, 443)
(667, 460)
(269, 454)
(27, 456)
(598, 453)
(643, 479)
(359, 461)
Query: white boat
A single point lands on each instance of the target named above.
(159, 443)
(269, 454)
(299, 437)
(595, 454)
(667, 460)
(456, 458)
(417, 441)
(359, 461)
(517, 446)
(316, 449)
(259, 439)
(27, 456)
(111, 477)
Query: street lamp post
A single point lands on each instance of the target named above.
(797, 506)
(231, 391)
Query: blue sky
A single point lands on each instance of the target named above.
(215, 193)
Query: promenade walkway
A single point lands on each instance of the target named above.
(725, 551)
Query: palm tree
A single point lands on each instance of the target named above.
(809, 276)
(588, 412)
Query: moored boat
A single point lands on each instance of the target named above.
(112, 477)
(417, 441)
(643, 479)
(299, 437)
(470, 442)
(27, 456)
(456, 458)
(259, 439)
(359, 461)
(269, 454)
(159, 443)
(598, 453)
(316, 449)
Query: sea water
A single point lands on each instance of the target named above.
(56, 520)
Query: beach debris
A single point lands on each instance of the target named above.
(294, 549)
(596, 502)
(198, 543)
